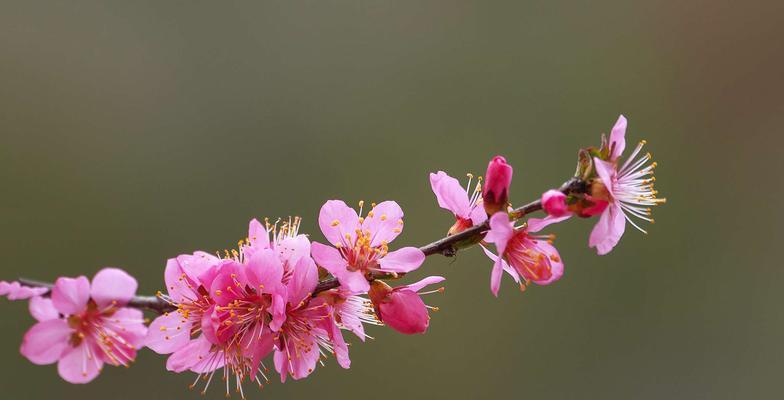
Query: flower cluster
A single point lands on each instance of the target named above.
(280, 301)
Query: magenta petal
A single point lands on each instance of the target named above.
(337, 220)
(129, 322)
(617, 138)
(608, 230)
(404, 260)
(46, 341)
(328, 258)
(554, 203)
(501, 231)
(405, 312)
(385, 222)
(42, 309)
(430, 280)
(168, 333)
(79, 365)
(303, 282)
(112, 284)
(199, 350)
(193, 266)
(70, 295)
(450, 195)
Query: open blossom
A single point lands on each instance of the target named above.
(627, 188)
(84, 326)
(402, 308)
(531, 258)
(310, 330)
(465, 205)
(495, 194)
(362, 243)
(16, 291)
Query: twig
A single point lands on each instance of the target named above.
(447, 246)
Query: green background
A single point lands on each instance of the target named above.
(131, 132)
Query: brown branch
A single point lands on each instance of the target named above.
(447, 246)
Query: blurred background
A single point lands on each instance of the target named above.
(131, 132)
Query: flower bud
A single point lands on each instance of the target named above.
(554, 203)
(495, 195)
(401, 308)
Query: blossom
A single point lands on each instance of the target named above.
(227, 310)
(627, 188)
(310, 330)
(282, 237)
(531, 258)
(453, 197)
(83, 325)
(495, 194)
(16, 291)
(362, 243)
(402, 308)
(554, 203)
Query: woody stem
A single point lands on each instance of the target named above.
(447, 246)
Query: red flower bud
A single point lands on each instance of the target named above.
(495, 195)
(400, 308)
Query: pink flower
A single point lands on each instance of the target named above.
(309, 331)
(361, 244)
(402, 308)
(15, 291)
(495, 195)
(628, 190)
(84, 326)
(453, 197)
(522, 255)
(351, 312)
(282, 237)
(236, 304)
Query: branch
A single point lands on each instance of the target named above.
(447, 246)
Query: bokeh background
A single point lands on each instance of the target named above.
(131, 132)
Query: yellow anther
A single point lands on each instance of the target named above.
(383, 217)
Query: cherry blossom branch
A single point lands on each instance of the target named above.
(447, 246)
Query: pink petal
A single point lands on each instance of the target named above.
(70, 295)
(385, 223)
(556, 267)
(608, 230)
(79, 365)
(338, 344)
(42, 309)
(112, 284)
(15, 291)
(46, 341)
(265, 271)
(206, 360)
(430, 280)
(478, 215)
(617, 139)
(353, 281)
(168, 333)
(337, 220)
(506, 267)
(224, 289)
(350, 320)
(178, 286)
(606, 172)
(450, 195)
(303, 282)
(258, 235)
(193, 266)
(129, 323)
(495, 276)
(406, 259)
(291, 249)
(501, 231)
(328, 258)
(537, 224)
(188, 355)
